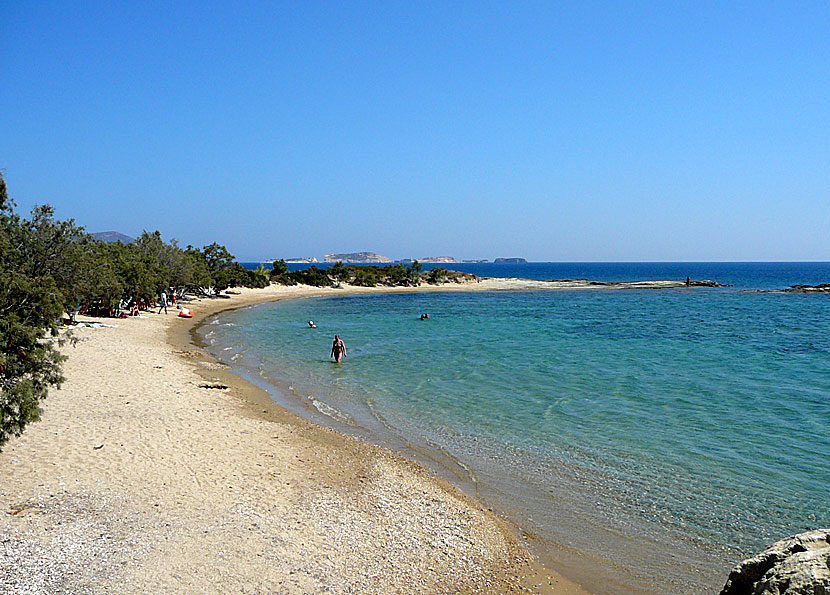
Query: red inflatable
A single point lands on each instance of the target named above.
(185, 313)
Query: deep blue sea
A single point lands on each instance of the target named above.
(649, 438)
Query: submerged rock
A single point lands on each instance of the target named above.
(798, 565)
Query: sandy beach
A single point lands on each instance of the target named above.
(153, 469)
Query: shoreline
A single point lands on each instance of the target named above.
(574, 565)
(260, 403)
(142, 474)
(579, 565)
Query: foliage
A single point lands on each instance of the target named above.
(49, 267)
(311, 276)
(225, 271)
(261, 276)
(393, 275)
(30, 307)
(338, 272)
(437, 275)
(280, 268)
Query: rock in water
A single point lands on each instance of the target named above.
(798, 565)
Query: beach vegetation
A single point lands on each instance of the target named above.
(363, 278)
(280, 273)
(313, 276)
(337, 271)
(50, 267)
(261, 276)
(392, 275)
(30, 307)
(437, 275)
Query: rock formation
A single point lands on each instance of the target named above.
(798, 565)
(822, 288)
(434, 259)
(301, 260)
(357, 257)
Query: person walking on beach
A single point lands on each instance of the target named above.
(338, 349)
(163, 304)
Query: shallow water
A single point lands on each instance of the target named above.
(662, 434)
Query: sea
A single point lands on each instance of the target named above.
(642, 441)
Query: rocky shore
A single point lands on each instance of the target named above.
(798, 565)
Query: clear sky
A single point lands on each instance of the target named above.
(562, 131)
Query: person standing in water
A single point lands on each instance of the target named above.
(338, 349)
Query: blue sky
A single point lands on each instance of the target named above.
(572, 131)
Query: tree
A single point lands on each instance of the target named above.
(217, 257)
(30, 308)
(198, 273)
(280, 273)
(437, 275)
(261, 276)
(339, 272)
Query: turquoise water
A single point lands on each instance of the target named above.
(663, 435)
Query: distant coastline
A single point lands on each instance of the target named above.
(375, 258)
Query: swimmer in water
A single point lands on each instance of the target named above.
(338, 349)
(311, 324)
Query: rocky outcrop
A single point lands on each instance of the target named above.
(510, 260)
(798, 565)
(823, 288)
(435, 259)
(357, 257)
(307, 260)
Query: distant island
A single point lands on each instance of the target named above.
(434, 259)
(357, 257)
(509, 260)
(374, 258)
(113, 236)
(442, 259)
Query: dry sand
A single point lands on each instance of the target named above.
(141, 479)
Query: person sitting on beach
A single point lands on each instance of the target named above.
(311, 324)
(338, 349)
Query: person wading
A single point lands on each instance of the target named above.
(338, 349)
